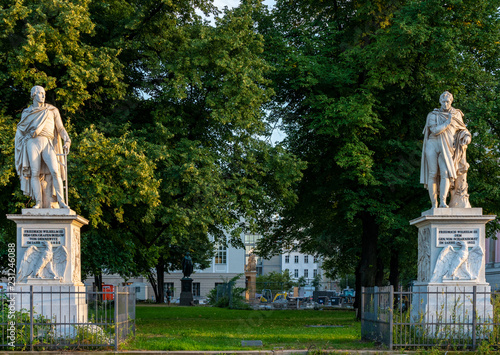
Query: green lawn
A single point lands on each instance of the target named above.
(207, 328)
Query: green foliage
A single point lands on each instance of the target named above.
(43, 332)
(227, 295)
(92, 334)
(165, 113)
(347, 280)
(354, 82)
(276, 281)
(46, 43)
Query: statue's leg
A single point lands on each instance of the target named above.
(50, 158)
(35, 159)
(49, 191)
(432, 164)
(444, 186)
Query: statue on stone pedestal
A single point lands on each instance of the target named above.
(39, 152)
(187, 266)
(251, 264)
(444, 165)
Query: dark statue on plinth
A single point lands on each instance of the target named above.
(187, 266)
(186, 298)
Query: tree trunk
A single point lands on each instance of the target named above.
(158, 281)
(98, 283)
(160, 276)
(98, 280)
(367, 270)
(394, 269)
(152, 281)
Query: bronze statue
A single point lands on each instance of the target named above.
(187, 265)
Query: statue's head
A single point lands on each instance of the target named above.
(38, 93)
(446, 100)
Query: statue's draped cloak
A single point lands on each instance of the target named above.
(30, 126)
(450, 144)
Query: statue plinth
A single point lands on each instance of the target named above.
(49, 263)
(251, 282)
(186, 298)
(451, 262)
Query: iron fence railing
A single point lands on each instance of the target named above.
(460, 317)
(54, 318)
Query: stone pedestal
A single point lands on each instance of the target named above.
(49, 266)
(451, 286)
(186, 298)
(64, 305)
(251, 282)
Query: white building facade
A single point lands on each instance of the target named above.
(301, 265)
(492, 255)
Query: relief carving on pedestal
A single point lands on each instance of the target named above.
(458, 263)
(75, 252)
(43, 262)
(424, 254)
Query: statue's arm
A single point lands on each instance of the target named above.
(466, 135)
(434, 127)
(61, 130)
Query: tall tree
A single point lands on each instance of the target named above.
(166, 116)
(354, 81)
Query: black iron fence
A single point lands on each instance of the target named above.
(58, 317)
(461, 317)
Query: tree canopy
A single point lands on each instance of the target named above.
(165, 113)
(354, 82)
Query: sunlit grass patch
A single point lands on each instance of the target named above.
(210, 328)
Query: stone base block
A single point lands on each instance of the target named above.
(450, 309)
(186, 298)
(64, 306)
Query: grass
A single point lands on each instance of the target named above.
(210, 328)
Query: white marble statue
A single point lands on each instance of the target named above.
(43, 262)
(252, 263)
(458, 264)
(444, 165)
(39, 152)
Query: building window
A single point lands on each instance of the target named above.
(221, 255)
(296, 273)
(296, 259)
(251, 238)
(306, 259)
(315, 259)
(196, 289)
(287, 259)
(137, 289)
(306, 273)
(315, 272)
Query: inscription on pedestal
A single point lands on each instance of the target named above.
(450, 236)
(37, 236)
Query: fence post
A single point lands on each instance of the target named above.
(362, 308)
(116, 318)
(126, 298)
(391, 315)
(31, 317)
(474, 317)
